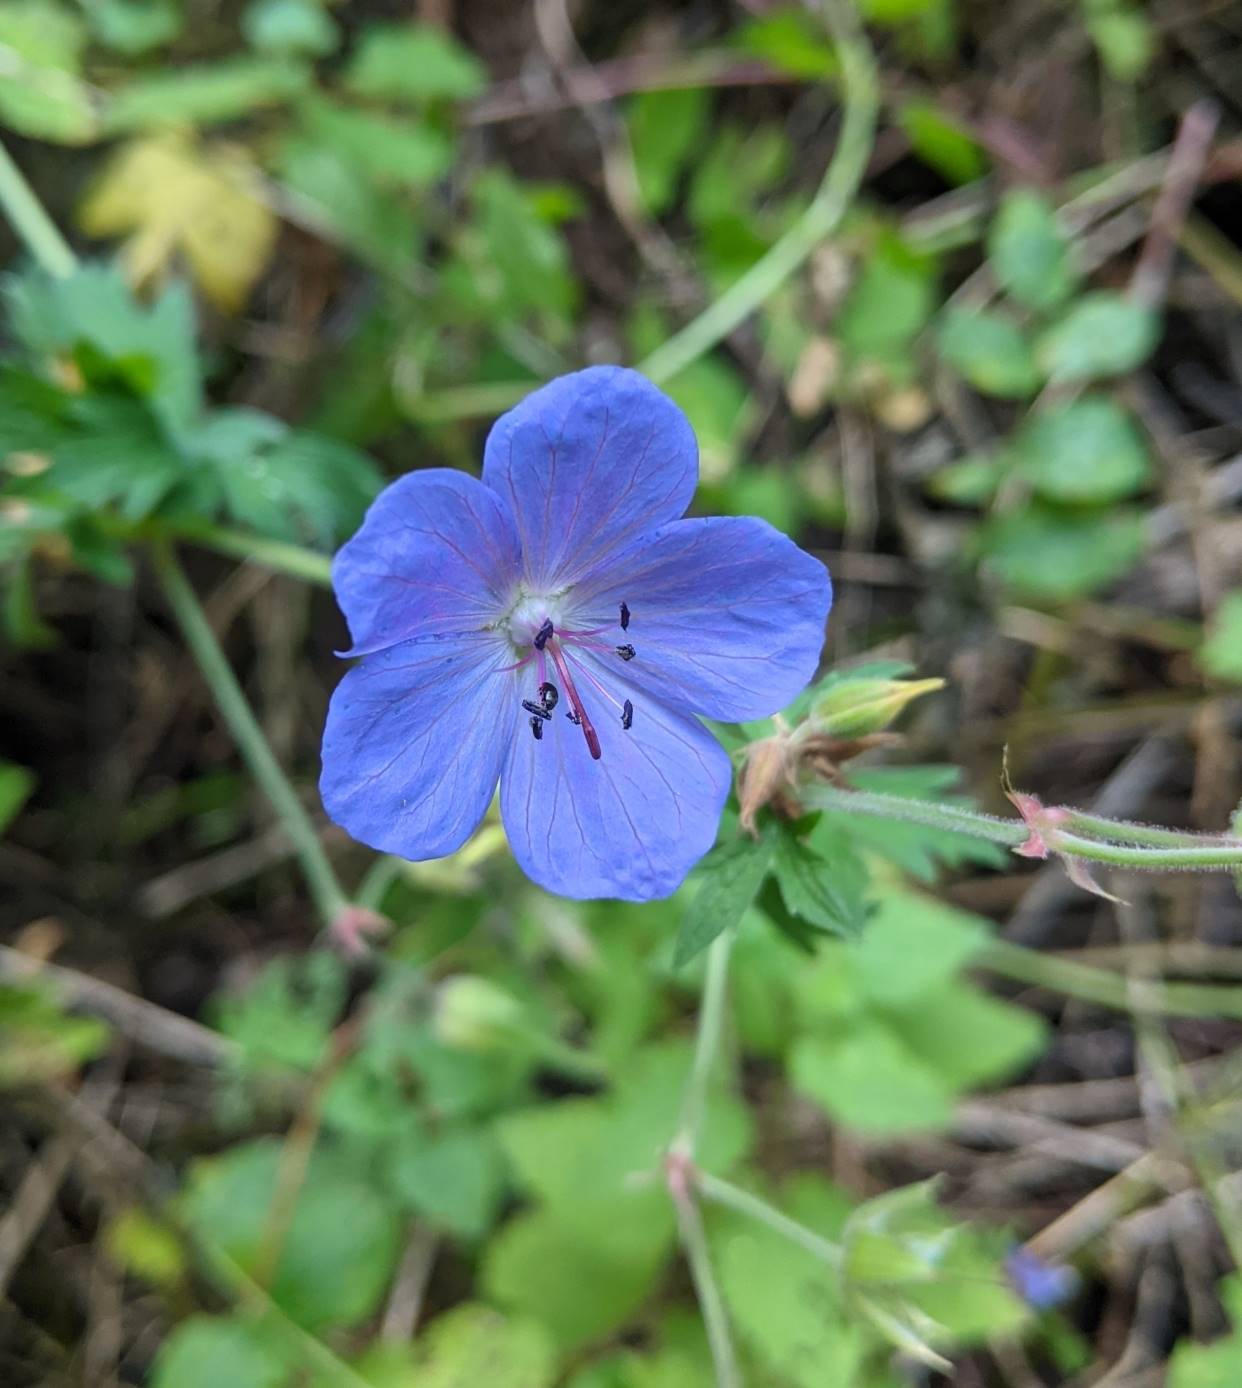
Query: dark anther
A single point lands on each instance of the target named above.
(627, 715)
(625, 618)
(536, 727)
(626, 652)
(574, 718)
(544, 634)
(548, 696)
(539, 714)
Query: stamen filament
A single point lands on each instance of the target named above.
(562, 669)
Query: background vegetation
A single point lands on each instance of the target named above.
(951, 295)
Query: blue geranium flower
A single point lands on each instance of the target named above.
(556, 627)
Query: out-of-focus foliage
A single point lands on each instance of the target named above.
(305, 249)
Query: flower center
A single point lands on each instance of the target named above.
(557, 652)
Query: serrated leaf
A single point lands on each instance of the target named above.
(170, 196)
(283, 482)
(92, 316)
(824, 884)
(729, 878)
(1103, 334)
(413, 62)
(1029, 253)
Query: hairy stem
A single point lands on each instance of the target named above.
(735, 1198)
(330, 897)
(860, 95)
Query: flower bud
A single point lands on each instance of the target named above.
(854, 707)
(473, 1014)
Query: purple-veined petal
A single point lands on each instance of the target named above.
(726, 615)
(414, 743)
(587, 464)
(436, 554)
(633, 823)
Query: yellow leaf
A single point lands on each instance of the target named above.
(172, 197)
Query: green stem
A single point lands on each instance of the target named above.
(1105, 988)
(277, 555)
(706, 1044)
(735, 1198)
(860, 95)
(1215, 853)
(39, 234)
(1008, 832)
(329, 896)
(1126, 831)
(707, 1292)
(1151, 849)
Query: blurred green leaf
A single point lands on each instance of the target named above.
(285, 483)
(870, 1081)
(665, 128)
(413, 62)
(16, 787)
(913, 944)
(786, 1308)
(968, 1036)
(1125, 39)
(290, 27)
(1102, 334)
(940, 141)
(40, 94)
(204, 95)
(1221, 653)
(1088, 451)
(889, 304)
(40, 1043)
(404, 152)
(1028, 251)
(454, 1177)
(142, 1245)
(791, 40)
(341, 1244)
(1058, 555)
(135, 26)
(473, 1345)
(990, 351)
(92, 316)
(208, 1351)
(728, 879)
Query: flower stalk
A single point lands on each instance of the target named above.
(329, 896)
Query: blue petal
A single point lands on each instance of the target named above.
(630, 825)
(437, 553)
(726, 614)
(587, 464)
(415, 739)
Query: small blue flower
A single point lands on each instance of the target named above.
(1042, 1285)
(556, 627)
